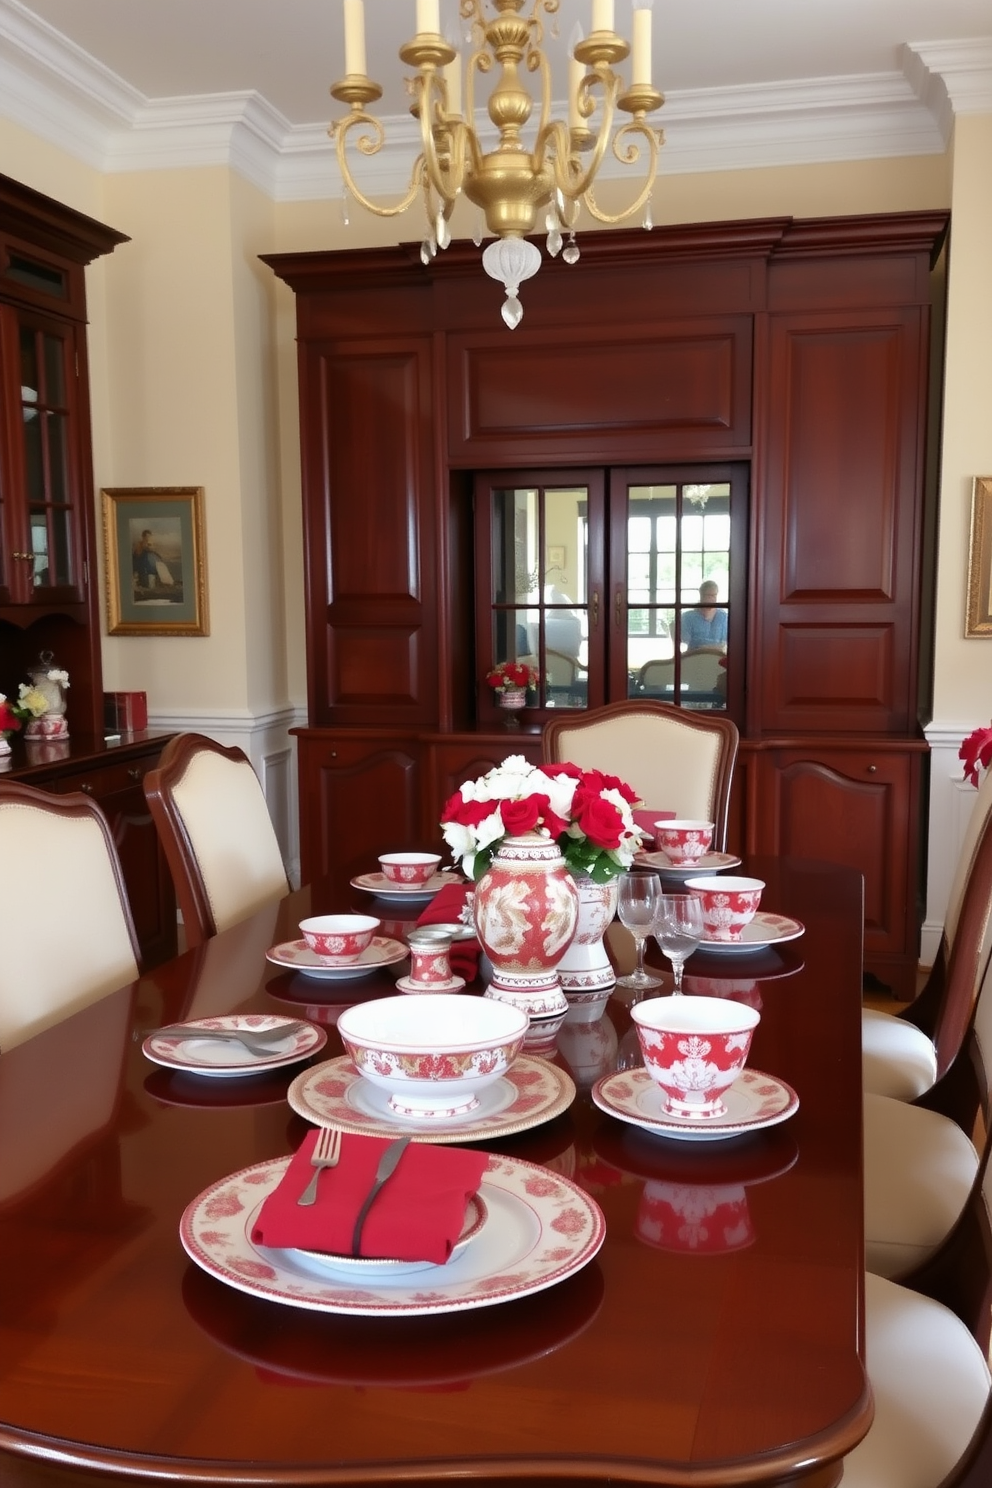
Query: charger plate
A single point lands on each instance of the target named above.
(540, 1228)
(754, 1101)
(334, 1094)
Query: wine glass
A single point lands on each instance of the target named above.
(640, 895)
(678, 930)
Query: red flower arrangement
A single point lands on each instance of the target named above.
(586, 812)
(976, 752)
(9, 721)
(510, 675)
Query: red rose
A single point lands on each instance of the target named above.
(9, 722)
(467, 813)
(975, 751)
(596, 781)
(600, 820)
(554, 771)
(523, 816)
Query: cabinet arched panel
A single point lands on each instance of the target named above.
(361, 796)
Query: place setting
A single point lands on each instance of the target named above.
(693, 1084)
(439, 1067)
(407, 877)
(232, 1045)
(384, 1227)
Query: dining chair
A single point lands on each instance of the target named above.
(920, 1163)
(675, 759)
(214, 826)
(71, 937)
(702, 671)
(926, 1354)
(904, 1054)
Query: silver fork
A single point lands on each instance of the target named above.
(255, 1040)
(326, 1151)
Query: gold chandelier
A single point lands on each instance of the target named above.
(515, 181)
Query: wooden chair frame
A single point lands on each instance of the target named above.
(706, 723)
(191, 891)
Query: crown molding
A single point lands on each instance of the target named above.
(59, 92)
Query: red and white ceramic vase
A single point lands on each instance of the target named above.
(587, 976)
(526, 909)
(511, 700)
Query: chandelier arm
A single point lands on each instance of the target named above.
(628, 155)
(370, 146)
(445, 166)
(570, 178)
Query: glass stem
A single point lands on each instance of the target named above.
(640, 940)
(677, 968)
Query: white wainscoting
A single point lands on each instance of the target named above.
(952, 799)
(266, 740)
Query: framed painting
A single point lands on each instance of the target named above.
(978, 621)
(155, 561)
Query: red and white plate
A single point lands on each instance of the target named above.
(540, 1228)
(764, 930)
(334, 1094)
(753, 1102)
(296, 955)
(385, 888)
(220, 1058)
(711, 862)
(377, 1267)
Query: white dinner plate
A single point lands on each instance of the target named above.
(376, 1267)
(296, 955)
(334, 1094)
(764, 930)
(221, 1059)
(753, 1102)
(385, 888)
(540, 1228)
(712, 862)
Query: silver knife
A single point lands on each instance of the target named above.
(388, 1163)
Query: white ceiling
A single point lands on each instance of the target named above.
(136, 83)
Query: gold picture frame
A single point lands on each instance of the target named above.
(978, 621)
(155, 561)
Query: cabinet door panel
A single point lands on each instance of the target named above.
(838, 609)
(358, 798)
(859, 808)
(370, 533)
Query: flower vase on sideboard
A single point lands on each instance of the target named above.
(511, 700)
(526, 909)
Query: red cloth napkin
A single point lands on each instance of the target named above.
(417, 1216)
(646, 820)
(446, 909)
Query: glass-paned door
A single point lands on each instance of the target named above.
(539, 565)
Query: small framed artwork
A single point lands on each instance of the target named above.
(979, 618)
(155, 562)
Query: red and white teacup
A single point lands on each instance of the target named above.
(694, 1048)
(729, 904)
(408, 869)
(339, 940)
(684, 842)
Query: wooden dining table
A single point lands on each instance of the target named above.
(715, 1339)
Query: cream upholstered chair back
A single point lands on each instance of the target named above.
(702, 671)
(69, 938)
(215, 829)
(675, 760)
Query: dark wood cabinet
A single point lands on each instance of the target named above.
(794, 353)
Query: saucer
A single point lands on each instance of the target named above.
(335, 1094)
(385, 888)
(372, 1268)
(763, 931)
(297, 956)
(754, 1101)
(409, 984)
(711, 862)
(227, 1060)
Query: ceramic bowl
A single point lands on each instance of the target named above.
(432, 1053)
(409, 868)
(729, 904)
(339, 939)
(684, 842)
(694, 1048)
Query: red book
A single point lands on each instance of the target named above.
(126, 712)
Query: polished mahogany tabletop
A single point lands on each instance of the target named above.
(715, 1339)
